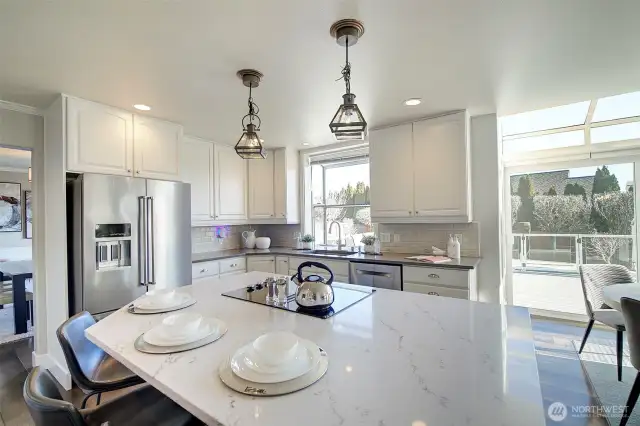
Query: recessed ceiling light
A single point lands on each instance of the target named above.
(305, 143)
(413, 102)
(142, 107)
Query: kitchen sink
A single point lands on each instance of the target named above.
(333, 252)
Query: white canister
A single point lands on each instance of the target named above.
(249, 238)
(263, 243)
(456, 248)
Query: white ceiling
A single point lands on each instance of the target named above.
(181, 57)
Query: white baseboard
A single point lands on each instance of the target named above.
(60, 372)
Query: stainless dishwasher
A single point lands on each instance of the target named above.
(378, 275)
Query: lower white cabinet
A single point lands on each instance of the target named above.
(282, 265)
(205, 270)
(339, 268)
(261, 263)
(458, 283)
(233, 264)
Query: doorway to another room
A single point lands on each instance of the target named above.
(16, 232)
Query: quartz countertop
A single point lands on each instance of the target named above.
(392, 258)
(394, 359)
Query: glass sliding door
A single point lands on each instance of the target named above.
(562, 218)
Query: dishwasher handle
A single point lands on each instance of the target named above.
(374, 273)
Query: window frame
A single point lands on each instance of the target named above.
(331, 164)
(583, 151)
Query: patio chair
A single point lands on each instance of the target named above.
(594, 278)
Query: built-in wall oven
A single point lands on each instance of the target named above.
(378, 275)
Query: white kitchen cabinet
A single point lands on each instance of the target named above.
(230, 184)
(339, 268)
(196, 169)
(261, 188)
(441, 168)
(420, 172)
(99, 138)
(449, 282)
(233, 264)
(156, 148)
(391, 172)
(282, 265)
(261, 263)
(436, 290)
(286, 184)
(208, 269)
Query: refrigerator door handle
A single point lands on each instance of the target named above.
(151, 261)
(142, 237)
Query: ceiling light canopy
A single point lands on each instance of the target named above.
(348, 122)
(413, 102)
(142, 107)
(249, 145)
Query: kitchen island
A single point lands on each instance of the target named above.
(394, 359)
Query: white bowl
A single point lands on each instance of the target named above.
(181, 324)
(263, 243)
(275, 348)
(161, 295)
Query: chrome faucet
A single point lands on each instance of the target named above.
(339, 232)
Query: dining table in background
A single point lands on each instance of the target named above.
(613, 293)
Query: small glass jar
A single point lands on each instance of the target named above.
(282, 284)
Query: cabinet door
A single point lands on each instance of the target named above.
(230, 184)
(441, 167)
(262, 263)
(391, 170)
(156, 147)
(196, 168)
(99, 138)
(261, 188)
(282, 265)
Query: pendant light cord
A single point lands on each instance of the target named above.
(254, 110)
(346, 71)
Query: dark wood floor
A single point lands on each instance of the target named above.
(561, 375)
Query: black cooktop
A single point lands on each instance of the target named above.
(343, 298)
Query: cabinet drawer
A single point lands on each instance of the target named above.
(436, 290)
(336, 278)
(437, 276)
(337, 267)
(233, 264)
(262, 263)
(205, 269)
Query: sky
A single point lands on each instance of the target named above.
(623, 172)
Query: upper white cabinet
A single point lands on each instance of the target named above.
(156, 148)
(273, 188)
(441, 168)
(230, 184)
(420, 172)
(196, 168)
(102, 139)
(391, 172)
(99, 138)
(261, 188)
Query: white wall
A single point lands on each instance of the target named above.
(487, 200)
(18, 129)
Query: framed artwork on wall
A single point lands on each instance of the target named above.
(27, 215)
(10, 207)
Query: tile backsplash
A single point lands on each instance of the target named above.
(412, 238)
(418, 238)
(203, 238)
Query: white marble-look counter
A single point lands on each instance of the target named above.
(394, 359)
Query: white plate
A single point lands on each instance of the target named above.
(151, 303)
(157, 337)
(271, 389)
(304, 360)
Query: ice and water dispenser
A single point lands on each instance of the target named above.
(113, 245)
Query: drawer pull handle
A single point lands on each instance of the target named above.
(233, 265)
(203, 270)
(433, 293)
(434, 276)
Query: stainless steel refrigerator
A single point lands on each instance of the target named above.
(125, 236)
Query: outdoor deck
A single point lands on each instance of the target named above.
(551, 292)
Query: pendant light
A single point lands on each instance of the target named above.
(348, 122)
(249, 145)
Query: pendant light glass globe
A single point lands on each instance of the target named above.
(249, 146)
(348, 122)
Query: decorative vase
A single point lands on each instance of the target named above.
(369, 249)
(307, 245)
